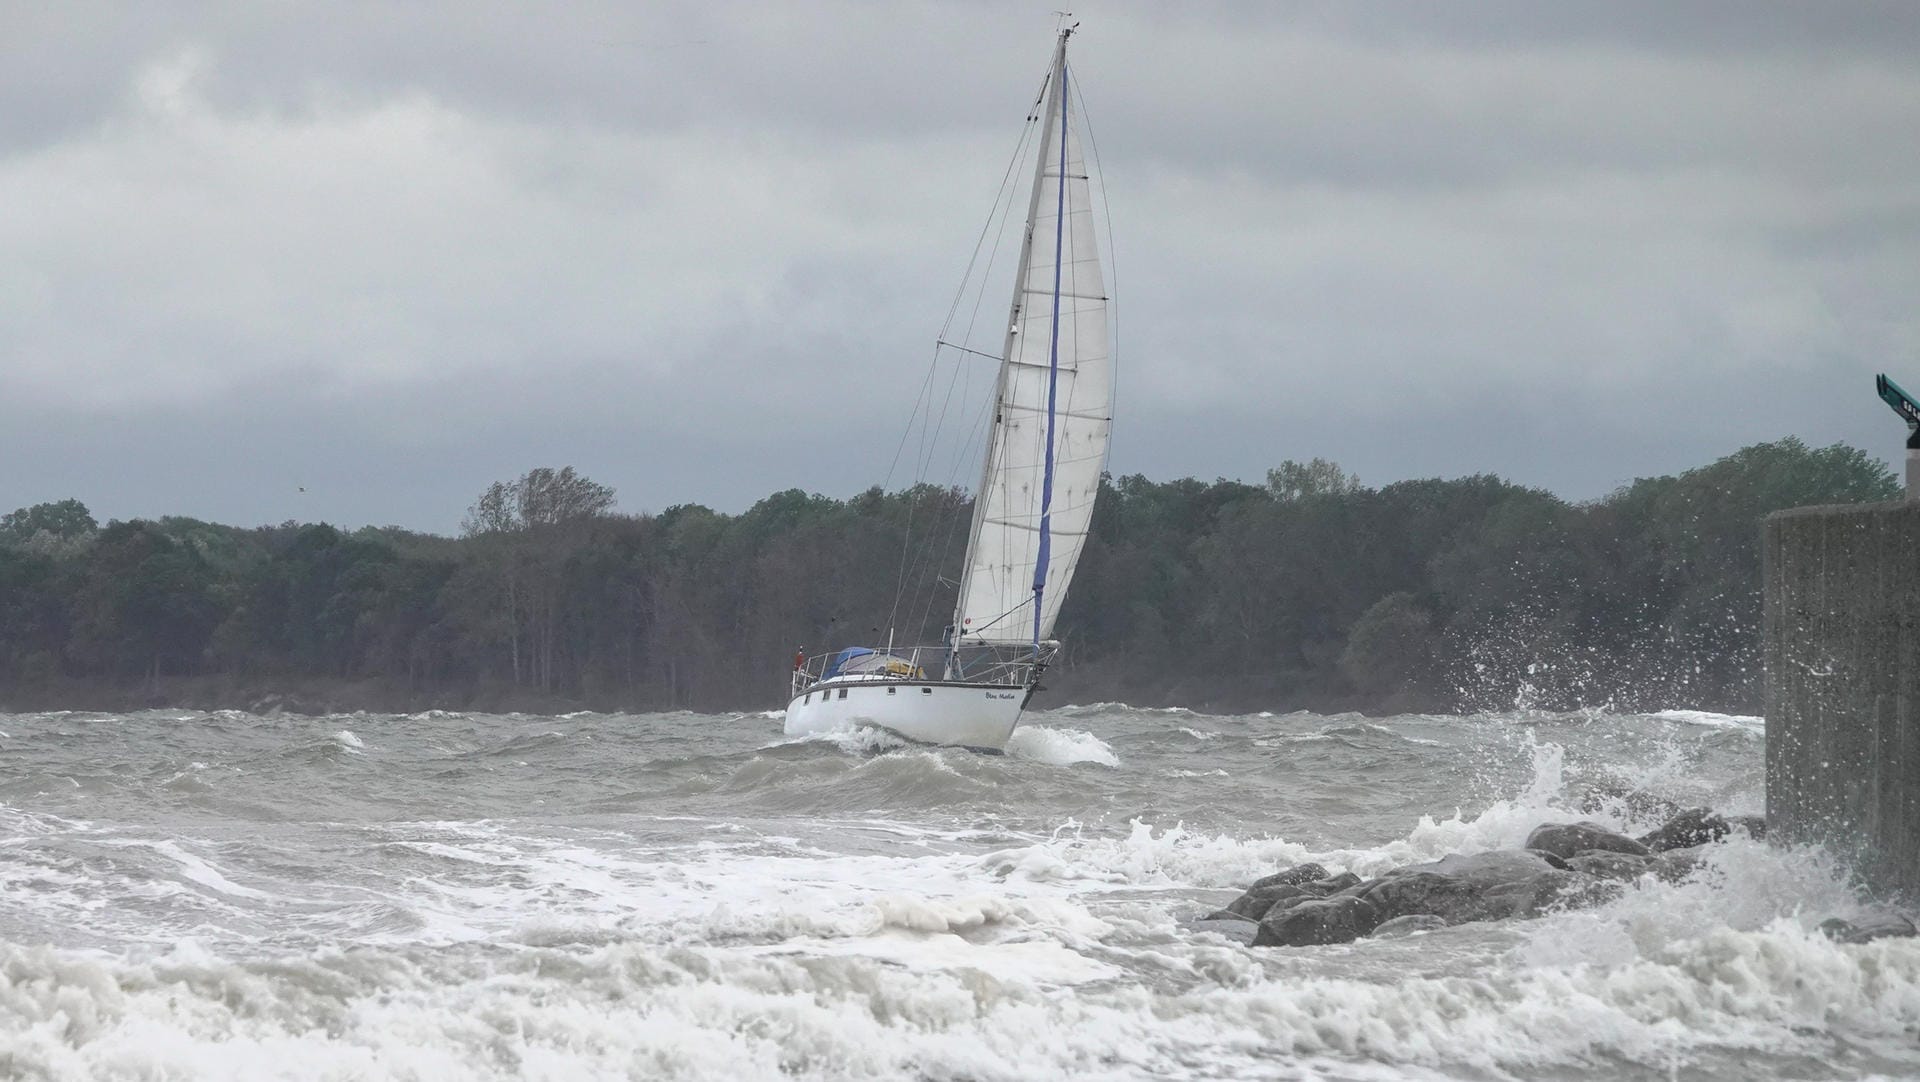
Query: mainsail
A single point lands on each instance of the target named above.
(1053, 408)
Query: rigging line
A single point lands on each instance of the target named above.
(959, 293)
(1006, 211)
(1005, 206)
(954, 516)
(930, 431)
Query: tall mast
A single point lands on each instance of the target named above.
(1056, 104)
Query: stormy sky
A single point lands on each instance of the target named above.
(391, 253)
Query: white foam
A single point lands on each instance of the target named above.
(1746, 722)
(347, 740)
(1060, 747)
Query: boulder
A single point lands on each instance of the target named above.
(1292, 877)
(1564, 840)
(1599, 797)
(1673, 865)
(1620, 867)
(1867, 927)
(1258, 900)
(1694, 826)
(1255, 903)
(1341, 919)
(1485, 886)
(1553, 859)
(1493, 865)
(1408, 925)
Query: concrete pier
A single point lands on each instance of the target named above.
(1842, 591)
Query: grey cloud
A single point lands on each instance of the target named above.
(700, 251)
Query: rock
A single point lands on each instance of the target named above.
(1318, 922)
(1292, 877)
(1255, 903)
(1639, 802)
(1754, 825)
(1694, 826)
(1620, 867)
(1566, 839)
(1481, 890)
(1258, 900)
(1495, 864)
(1868, 927)
(1334, 884)
(1553, 859)
(1673, 865)
(1408, 925)
(1238, 929)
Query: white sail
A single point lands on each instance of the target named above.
(1056, 374)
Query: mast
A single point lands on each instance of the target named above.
(1056, 104)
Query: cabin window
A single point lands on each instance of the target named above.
(890, 691)
(926, 691)
(843, 693)
(806, 699)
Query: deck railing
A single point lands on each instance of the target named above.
(1009, 666)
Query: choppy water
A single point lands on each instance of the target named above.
(189, 895)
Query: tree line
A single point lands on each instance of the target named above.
(1309, 590)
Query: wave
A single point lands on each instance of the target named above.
(1743, 722)
(1060, 747)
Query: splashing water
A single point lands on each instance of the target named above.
(692, 896)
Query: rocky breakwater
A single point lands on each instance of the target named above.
(1561, 866)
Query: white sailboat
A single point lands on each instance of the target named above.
(1046, 451)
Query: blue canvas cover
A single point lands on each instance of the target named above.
(840, 660)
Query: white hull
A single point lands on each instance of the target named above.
(930, 712)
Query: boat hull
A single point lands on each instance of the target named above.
(929, 712)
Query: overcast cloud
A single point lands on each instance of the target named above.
(390, 253)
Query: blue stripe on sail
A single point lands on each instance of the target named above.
(1053, 368)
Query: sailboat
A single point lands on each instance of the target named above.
(1045, 454)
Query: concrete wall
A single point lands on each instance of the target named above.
(1843, 685)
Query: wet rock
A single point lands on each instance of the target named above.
(1292, 877)
(1484, 886)
(1259, 900)
(1673, 865)
(1642, 804)
(1553, 859)
(1255, 903)
(1491, 866)
(1691, 827)
(1868, 927)
(1408, 925)
(1341, 919)
(1620, 867)
(1334, 884)
(1566, 839)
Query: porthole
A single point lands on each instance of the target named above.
(890, 691)
(843, 693)
(926, 691)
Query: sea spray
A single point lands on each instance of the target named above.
(692, 896)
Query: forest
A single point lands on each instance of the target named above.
(1311, 590)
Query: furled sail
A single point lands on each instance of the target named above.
(1033, 509)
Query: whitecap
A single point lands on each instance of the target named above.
(1060, 747)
